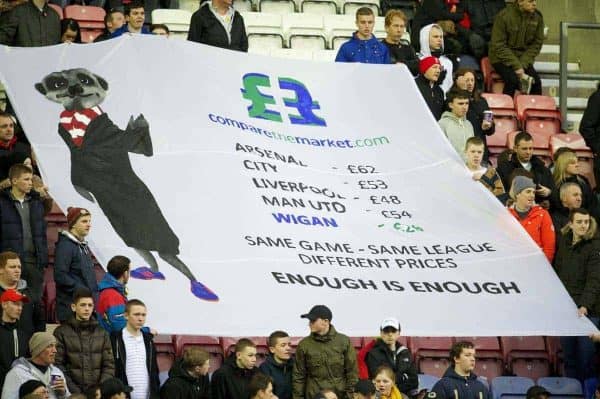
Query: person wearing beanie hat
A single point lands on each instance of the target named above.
(363, 46)
(431, 38)
(388, 351)
(24, 228)
(39, 367)
(534, 219)
(427, 82)
(73, 263)
(33, 387)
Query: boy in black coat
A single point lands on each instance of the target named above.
(188, 377)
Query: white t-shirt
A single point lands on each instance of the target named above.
(135, 365)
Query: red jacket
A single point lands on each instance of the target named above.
(538, 224)
(363, 370)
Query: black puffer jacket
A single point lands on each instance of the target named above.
(14, 345)
(84, 354)
(400, 361)
(181, 385)
(207, 29)
(230, 381)
(578, 267)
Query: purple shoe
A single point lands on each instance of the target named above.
(145, 273)
(203, 292)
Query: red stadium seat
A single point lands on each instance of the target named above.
(489, 356)
(49, 295)
(211, 345)
(357, 342)
(572, 140)
(492, 80)
(498, 141)
(431, 354)
(542, 128)
(535, 106)
(436, 367)
(526, 356)
(556, 354)
(489, 368)
(500, 103)
(88, 17)
(165, 351)
(56, 8)
(89, 35)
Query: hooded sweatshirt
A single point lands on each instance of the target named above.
(230, 381)
(22, 371)
(111, 304)
(33, 316)
(181, 385)
(454, 386)
(370, 51)
(447, 67)
(281, 373)
(458, 130)
(14, 346)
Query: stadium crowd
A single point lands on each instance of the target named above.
(102, 348)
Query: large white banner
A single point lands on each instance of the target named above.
(278, 185)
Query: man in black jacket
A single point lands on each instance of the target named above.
(590, 129)
(23, 227)
(135, 354)
(279, 364)
(32, 318)
(523, 158)
(427, 82)
(218, 24)
(387, 351)
(188, 377)
(14, 341)
(231, 380)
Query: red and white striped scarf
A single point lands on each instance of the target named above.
(76, 122)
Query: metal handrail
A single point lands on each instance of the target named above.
(564, 74)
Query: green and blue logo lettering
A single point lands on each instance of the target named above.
(301, 100)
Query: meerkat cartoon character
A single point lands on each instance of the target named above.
(101, 171)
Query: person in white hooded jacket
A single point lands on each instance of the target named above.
(431, 39)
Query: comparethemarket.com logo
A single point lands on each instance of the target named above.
(301, 100)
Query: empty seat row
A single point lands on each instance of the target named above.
(320, 7)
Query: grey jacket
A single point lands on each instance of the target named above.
(22, 370)
(458, 130)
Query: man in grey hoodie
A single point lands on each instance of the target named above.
(454, 123)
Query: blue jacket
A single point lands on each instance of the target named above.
(370, 51)
(281, 375)
(73, 269)
(111, 304)
(11, 229)
(125, 29)
(454, 386)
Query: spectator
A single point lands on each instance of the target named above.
(523, 158)
(40, 367)
(94, 392)
(160, 29)
(430, 12)
(279, 364)
(459, 381)
(364, 389)
(336, 370)
(454, 123)
(231, 380)
(401, 52)
(218, 24)
(577, 264)
(73, 264)
(537, 392)
(427, 83)
(32, 316)
(486, 176)
(364, 46)
(517, 38)
(432, 44)
(388, 351)
(135, 354)
(23, 227)
(534, 219)
(326, 394)
(188, 377)
(479, 113)
(30, 24)
(566, 170)
(113, 388)
(12, 336)
(261, 387)
(70, 31)
(134, 19)
(12, 150)
(570, 198)
(83, 350)
(33, 389)
(112, 298)
(589, 127)
(113, 20)
(385, 383)
(481, 15)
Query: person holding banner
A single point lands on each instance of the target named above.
(364, 46)
(534, 219)
(474, 153)
(427, 82)
(577, 264)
